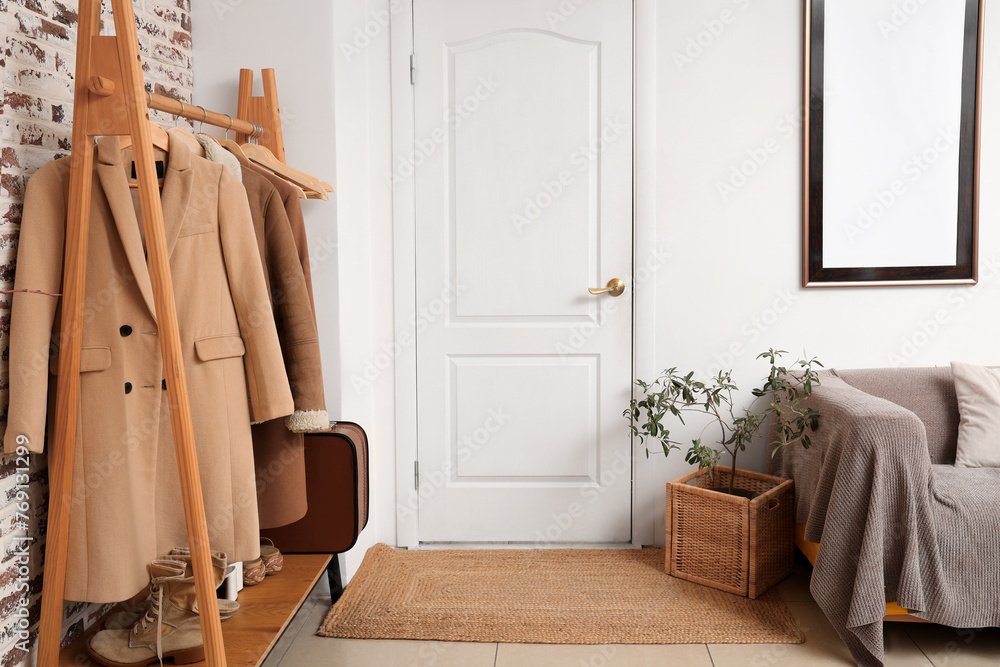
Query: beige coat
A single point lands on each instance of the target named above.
(126, 496)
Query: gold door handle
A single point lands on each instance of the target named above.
(616, 287)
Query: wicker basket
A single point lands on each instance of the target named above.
(727, 542)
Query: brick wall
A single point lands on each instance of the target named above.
(37, 66)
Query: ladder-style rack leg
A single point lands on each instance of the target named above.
(123, 112)
(261, 110)
(71, 338)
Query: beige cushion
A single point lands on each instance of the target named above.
(978, 391)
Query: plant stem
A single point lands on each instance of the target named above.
(732, 475)
(722, 426)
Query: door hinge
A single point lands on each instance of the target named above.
(416, 475)
(413, 69)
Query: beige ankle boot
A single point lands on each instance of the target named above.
(170, 628)
(124, 620)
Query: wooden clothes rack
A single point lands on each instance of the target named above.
(110, 99)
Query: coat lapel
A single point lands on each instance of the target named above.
(116, 190)
(174, 199)
(177, 188)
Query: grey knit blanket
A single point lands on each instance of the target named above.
(896, 521)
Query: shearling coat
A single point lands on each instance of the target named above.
(279, 452)
(126, 506)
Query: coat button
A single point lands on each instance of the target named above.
(128, 387)
(164, 384)
(125, 330)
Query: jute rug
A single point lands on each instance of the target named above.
(546, 596)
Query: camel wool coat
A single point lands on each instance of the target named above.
(126, 505)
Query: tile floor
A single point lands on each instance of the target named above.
(907, 644)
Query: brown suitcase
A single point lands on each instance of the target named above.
(336, 493)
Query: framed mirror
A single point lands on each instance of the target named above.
(891, 142)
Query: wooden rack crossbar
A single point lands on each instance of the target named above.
(105, 87)
(202, 115)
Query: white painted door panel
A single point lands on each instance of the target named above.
(523, 200)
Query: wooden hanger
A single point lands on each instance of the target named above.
(160, 138)
(231, 145)
(323, 186)
(236, 150)
(263, 157)
(233, 148)
(264, 145)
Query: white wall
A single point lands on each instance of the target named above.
(734, 274)
(741, 91)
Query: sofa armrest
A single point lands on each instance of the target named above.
(843, 407)
(858, 433)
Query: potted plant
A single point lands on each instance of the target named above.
(726, 527)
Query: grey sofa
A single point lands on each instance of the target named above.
(895, 519)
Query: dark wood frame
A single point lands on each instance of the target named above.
(965, 270)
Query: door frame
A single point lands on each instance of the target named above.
(647, 489)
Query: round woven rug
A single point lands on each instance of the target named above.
(547, 596)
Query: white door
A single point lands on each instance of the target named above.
(523, 133)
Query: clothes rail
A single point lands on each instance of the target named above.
(105, 87)
(202, 115)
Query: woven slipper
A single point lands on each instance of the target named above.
(272, 558)
(253, 572)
